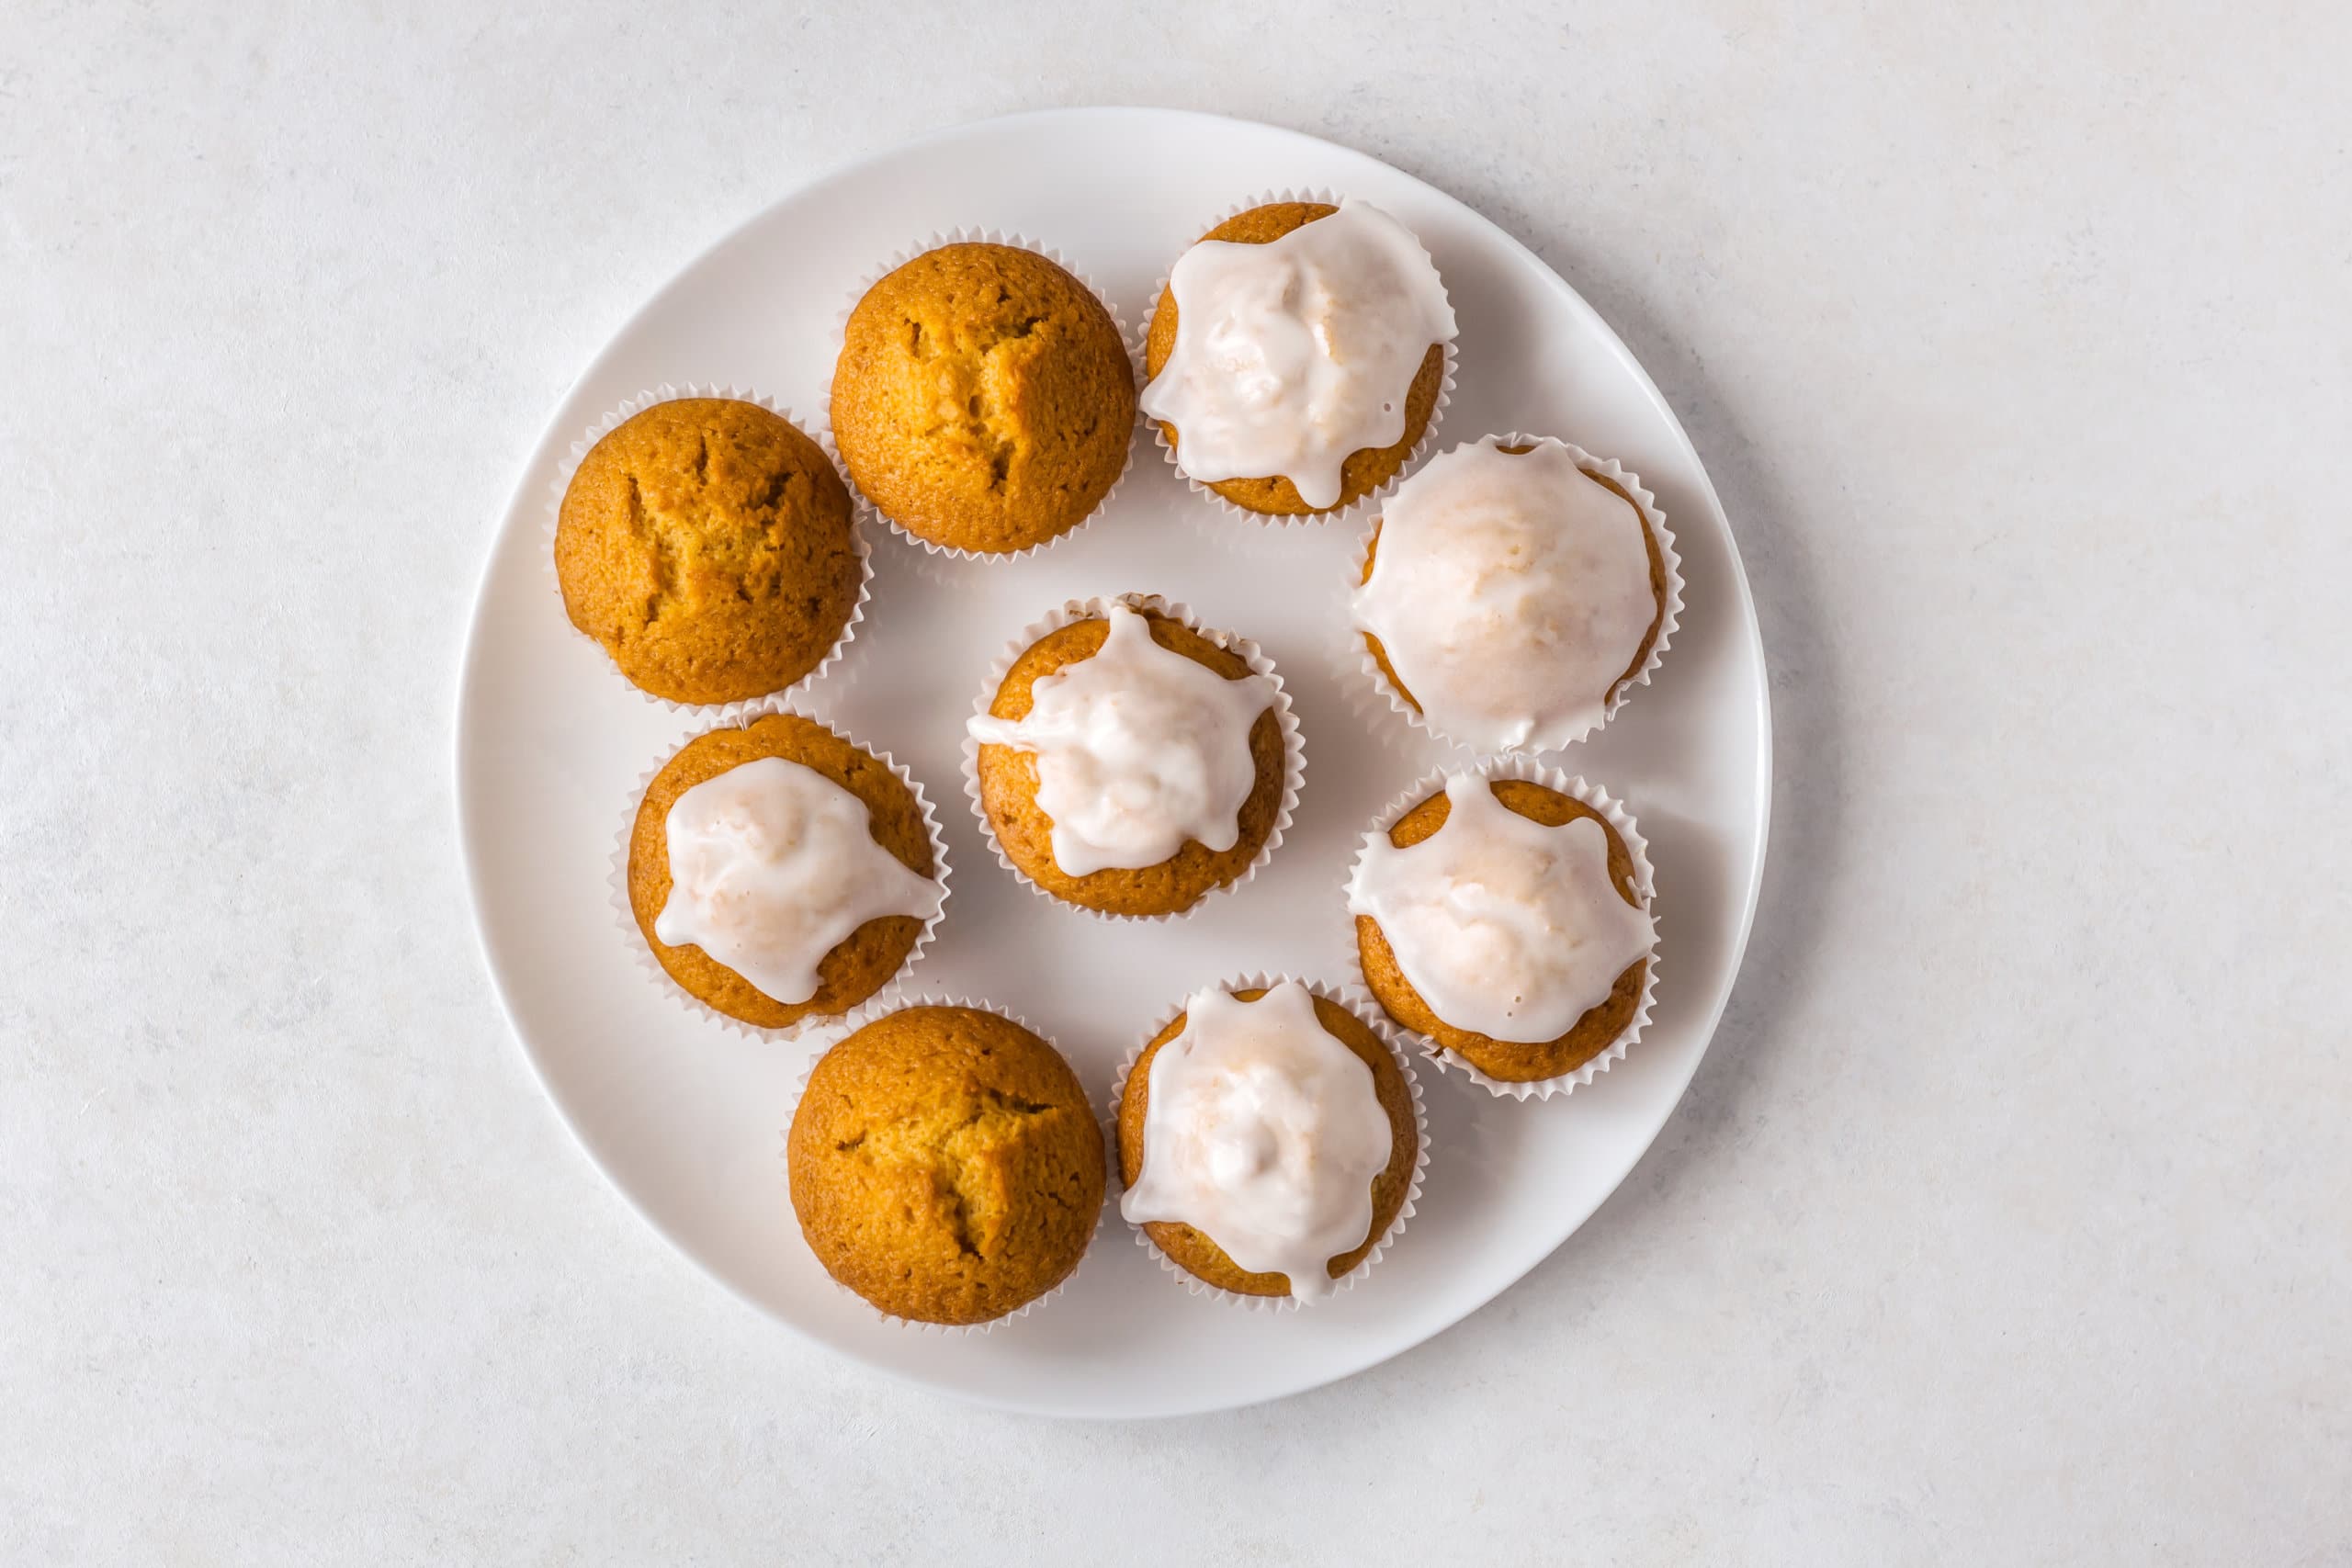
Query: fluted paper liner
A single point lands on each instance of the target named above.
(1076, 610)
(619, 881)
(1367, 1011)
(818, 429)
(1344, 512)
(938, 553)
(1368, 686)
(1531, 771)
(841, 1028)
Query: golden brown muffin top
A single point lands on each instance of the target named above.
(945, 1165)
(1009, 784)
(1511, 1061)
(707, 545)
(1365, 470)
(983, 399)
(861, 963)
(1197, 1252)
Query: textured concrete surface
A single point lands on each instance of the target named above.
(2010, 1219)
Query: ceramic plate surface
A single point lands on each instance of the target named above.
(684, 1117)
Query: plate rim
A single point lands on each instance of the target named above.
(519, 497)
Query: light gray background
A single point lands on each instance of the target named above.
(2010, 1218)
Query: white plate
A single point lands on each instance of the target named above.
(685, 1118)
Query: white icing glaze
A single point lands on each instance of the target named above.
(1292, 354)
(1510, 593)
(1263, 1132)
(1138, 749)
(772, 866)
(1504, 925)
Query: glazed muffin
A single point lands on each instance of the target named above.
(1295, 1154)
(853, 877)
(1617, 885)
(1524, 588)
(983, 399)
(1126, 843)
(944, 1164)
(709, 547)
(1362, 470)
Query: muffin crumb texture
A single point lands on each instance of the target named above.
(709, 545)
(984, 400)
(944, 1164)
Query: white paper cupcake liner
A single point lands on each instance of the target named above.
(818, 429)
(1529, 770)
(934, 556)
(1233, 511)
(1368, 704)
(836, 1030)
(1364, 1008)
(1369, 689)
(618, 882)
(1075, 609)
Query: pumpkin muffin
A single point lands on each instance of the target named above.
(855, 969)
(709, 547)
(944, 1164)
(1008, 782)
(1365, 470)
(1657, 591)
(1193, 1250)
(1508, 1060)
(984, 400)
(1659, 583)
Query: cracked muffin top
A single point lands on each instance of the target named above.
(983, 399)
(709, 545)
(944, 1164)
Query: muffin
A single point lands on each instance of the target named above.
(1511, 592)
(748, 883)
(1521, 1008)
(1323, 1177)
(1243, 429)
(944, 1164)
(1130, 765)
(984, 400)
(709, 545)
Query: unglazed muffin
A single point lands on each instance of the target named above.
(853, 969)
(944, 1164)
(1593, 1032)
(1365, 469)
(1008, 778)
(1196, 1252)
(1527, 589)
(709, 545)
(983, 399)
